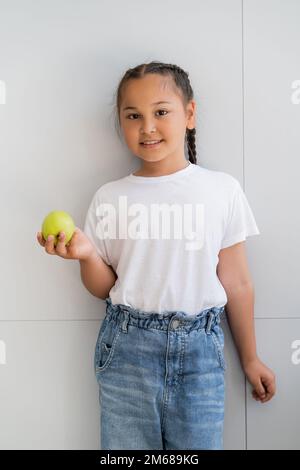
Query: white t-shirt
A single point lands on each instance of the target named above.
(158, 267)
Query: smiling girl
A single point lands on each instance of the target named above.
(159, 357)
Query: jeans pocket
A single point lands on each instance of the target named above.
(218, 339)
(106, 344)
(100, 334)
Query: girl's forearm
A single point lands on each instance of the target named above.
(97, 276)
(240, 315)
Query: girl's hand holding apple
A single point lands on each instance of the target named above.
(79, 247)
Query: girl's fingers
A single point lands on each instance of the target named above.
(259, 398)
(60, 247)
(260, 390)
(49, 246)
(270, 385)
(41, 239)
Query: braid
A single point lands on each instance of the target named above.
(191, 144)
(190, 133)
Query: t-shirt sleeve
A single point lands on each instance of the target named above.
(241, 222)
(93, 229)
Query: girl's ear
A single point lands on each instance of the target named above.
(191, 113)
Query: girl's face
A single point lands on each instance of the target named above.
(145, 119)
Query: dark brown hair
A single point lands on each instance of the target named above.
(182, 83)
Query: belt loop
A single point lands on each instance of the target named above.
(208, 326)
(125, 322)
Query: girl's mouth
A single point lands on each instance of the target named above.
(151, 146)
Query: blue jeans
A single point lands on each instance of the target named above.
(161, 379)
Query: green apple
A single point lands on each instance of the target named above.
(56, 222)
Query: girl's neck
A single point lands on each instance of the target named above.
(160, 169)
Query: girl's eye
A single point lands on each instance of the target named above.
(163, 110)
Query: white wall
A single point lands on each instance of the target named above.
(60, 64)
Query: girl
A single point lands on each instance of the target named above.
(159, 358)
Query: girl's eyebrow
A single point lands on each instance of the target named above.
(153, 104)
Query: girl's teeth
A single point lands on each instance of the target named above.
(151, 143)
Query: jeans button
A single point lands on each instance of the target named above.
(175, 324)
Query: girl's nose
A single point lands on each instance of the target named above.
(148, 129)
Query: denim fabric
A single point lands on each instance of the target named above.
(161, 379)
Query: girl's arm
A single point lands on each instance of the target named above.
(97, 276)
(234, 275)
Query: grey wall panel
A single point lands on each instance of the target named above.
(272, 148)
(48, 392)
(276, 424)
